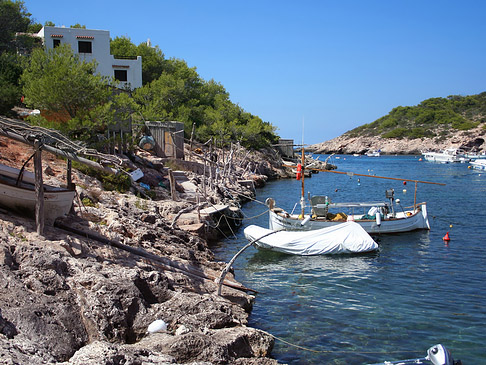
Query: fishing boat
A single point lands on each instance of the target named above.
(373, 153)
(348, 238)
(436, 355)
(17, 193)
(475, 155)
(449, 155)
(373, 217)
(376, 218)
(478, 164)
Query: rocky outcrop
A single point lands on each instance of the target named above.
(469, 140)
(73, 300)
(86, 291)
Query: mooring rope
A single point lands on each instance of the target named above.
(342, 351)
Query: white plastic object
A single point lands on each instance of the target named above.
(378, 219)
(157, 326)
(306, 219)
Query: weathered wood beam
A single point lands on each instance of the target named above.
(39, 188)
(58, 152)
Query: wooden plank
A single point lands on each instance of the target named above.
(173, 192)
(58, 152)
(39, 188)
(218, 208)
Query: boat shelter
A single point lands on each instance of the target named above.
(168, 138)
(285, 147)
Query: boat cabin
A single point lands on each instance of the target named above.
(320, 206)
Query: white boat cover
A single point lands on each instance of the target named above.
(348, 237)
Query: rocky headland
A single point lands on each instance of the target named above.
(468, 140)
(87, 289)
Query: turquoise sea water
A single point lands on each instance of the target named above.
(415, 292)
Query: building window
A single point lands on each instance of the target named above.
(84, 47)
(56, 43)
(121, 75)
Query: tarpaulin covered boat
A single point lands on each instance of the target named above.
(348, 237)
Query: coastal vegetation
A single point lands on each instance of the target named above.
(82, 104)
(435, 117)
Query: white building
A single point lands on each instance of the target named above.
(92, 44)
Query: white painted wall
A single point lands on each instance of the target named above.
(100, 52)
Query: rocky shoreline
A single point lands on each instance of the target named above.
(86, 291)
(344, 144)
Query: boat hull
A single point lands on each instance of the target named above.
(451, 155)
(405, 222)
(478, 164)
(21, 197)
(56, 203)
(435, 157)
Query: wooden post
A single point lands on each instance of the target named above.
(211, 165)
(39, 188)
(198, 209)
(415, 198)
(173, 192)
(204, 176)
(69, 179)
(229, 168)
(192, 137)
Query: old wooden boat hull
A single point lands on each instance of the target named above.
(402, 222)
(20, 196)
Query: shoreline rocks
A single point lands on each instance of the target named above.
(468, 140)
(86, 294)
(86, 291)
(68, 299)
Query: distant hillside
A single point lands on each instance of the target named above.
(435, 117)
(434, 123)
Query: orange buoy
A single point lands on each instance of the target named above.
(446, 237)
(299, 172)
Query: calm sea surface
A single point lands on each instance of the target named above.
(415, 292)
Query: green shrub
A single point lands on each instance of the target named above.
(396, 133)
(419, 132)
(120, 182)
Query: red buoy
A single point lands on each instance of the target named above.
(299, 172)
(404, 183)
(446, 237)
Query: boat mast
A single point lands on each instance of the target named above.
(302, 203)
(302, 162)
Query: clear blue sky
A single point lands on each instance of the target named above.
(333, 64)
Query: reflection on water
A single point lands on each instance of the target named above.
(414, 292)
(342, 265)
